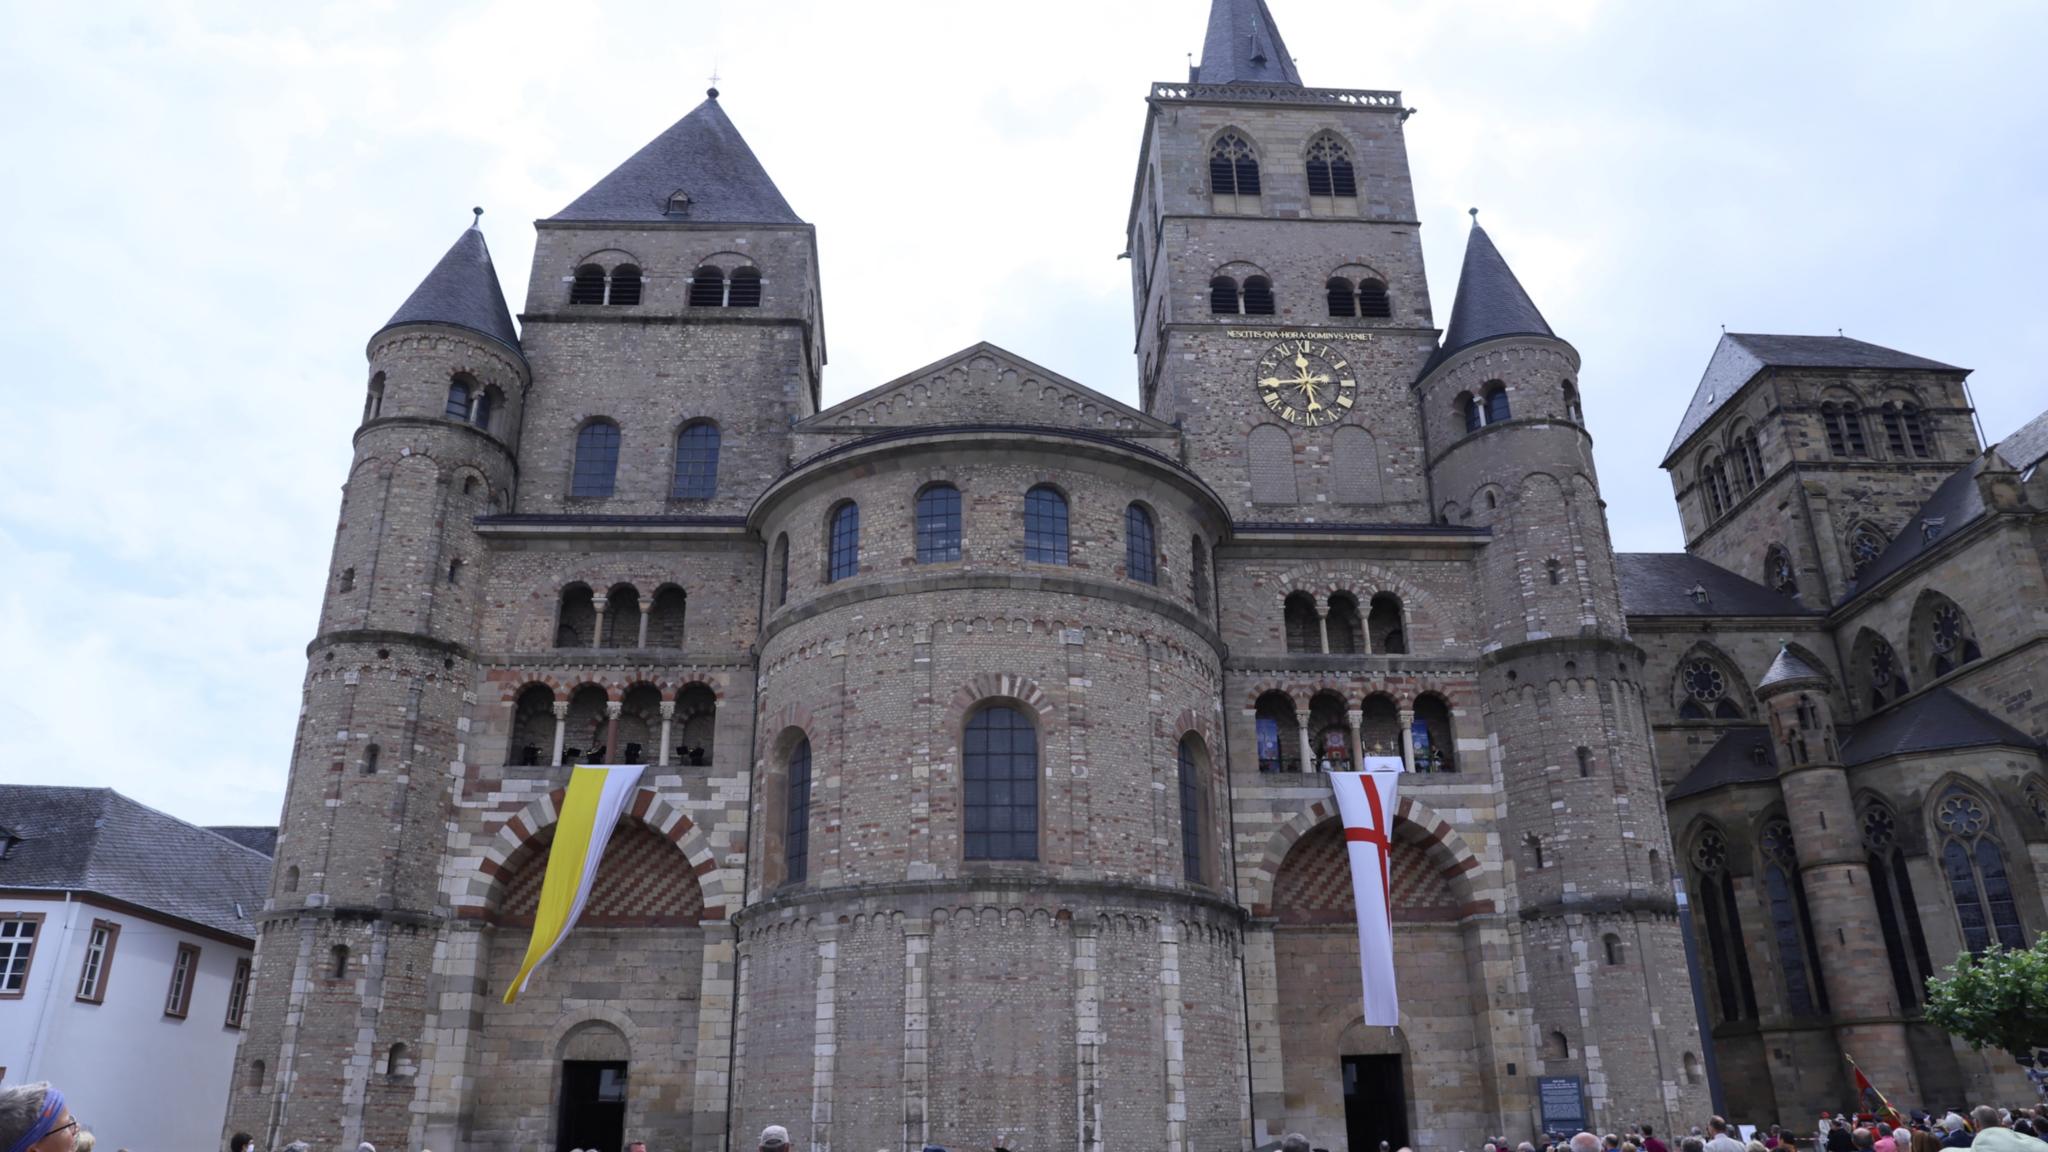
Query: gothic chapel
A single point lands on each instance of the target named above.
(983, 713)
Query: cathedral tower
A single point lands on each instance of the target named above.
(1600, 941)
(347, 945)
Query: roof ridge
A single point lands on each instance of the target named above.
(704, 157)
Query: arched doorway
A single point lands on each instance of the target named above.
(591, 1094)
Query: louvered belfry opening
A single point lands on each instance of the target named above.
(1258, 296)
(625, 285)
(745, 291)
(1373, 302)
(1342, 302)
(1223, 296)
(588, 287)
(707, 288)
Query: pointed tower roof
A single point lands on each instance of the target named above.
(701, 156)
(1491, 302)
(1244, 47)
(1790, 668)
(462, 290)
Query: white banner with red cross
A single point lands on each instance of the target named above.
(1366, 802)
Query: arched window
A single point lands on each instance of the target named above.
(1904, 433)
(1045, 525)
(1270, 452)
(1223, 296)
(1974, 866)
(1557, 1046)
(1585, 757)
(576, 619)
(1233, 175)
(394, 1060)
(1342, 296)
(1741, 467)
(291, 878)
(1726, 944)
(1883, 673)
(1373, 301)
(1779, 575)
(373, 404)
(1190, 812)
(1705, 687)
(745, 288)
(1431, 733)
(1141, 548)
(1329, 173)
(1844, 424)
(1198, 563)
(938, 524)
(1304, 630)
(667, 616)
(1898, 915)
(1379, 726)
(1355, 466)
(1329, 735)
(588, 286)
(625, 286)
(707, 287)
(1611, 943)
(1345, 629)
(1000, 775)
(1277, 738)
(1716, 501)
(457, 407)
(843, 549)
(1496, 402)
(480, 408)
(1791, 926)
(371, 756)
(1572, 411)
(256, 1071)
(1951, 641)
(1258, 296)
(1384, 626)
(1470, 412)
(796, 828)
(1866, 543)
(696, 462)
(597, 460)
(781, 569)
(338, 962)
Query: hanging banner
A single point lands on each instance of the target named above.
(591, 806)
(1365, 800)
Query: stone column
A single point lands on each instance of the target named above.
(597, 629)
(668, 721)
(561, 708)
(1174, 1035)
(1262, 1013)
(824, 1036)
(1407, 719)
(917, 947)
(715, 1009)
(646, 610)
(1355, 720)
(1323, 628)
(612, 708)
(1308, 761)
(1088, 1035)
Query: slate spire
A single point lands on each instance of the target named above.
(699, 170)
(1491, 302)
(462, 290)
(1243, 47)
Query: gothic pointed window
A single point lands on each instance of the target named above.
(938, 524)
(1330, 175)
(1898, 914)
(1233, 174)
(1727, 946)
(1866, 543)
(597, 460)
(588, 285)
(1045, 525)
(1190, 811)
(1141, 548)
(796, 828)
(696, 462)
(1882, 672)
(1000, 777)
(1258, 296)
(1974, 866)
(1779, 575)
(1705, 688)
(842, 552)
(1791, 926)
(1950, 637)
(1343, 298)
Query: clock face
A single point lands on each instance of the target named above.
(1306, 382)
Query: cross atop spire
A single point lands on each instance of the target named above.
(1243, 47)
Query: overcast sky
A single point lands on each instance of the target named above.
(209, 209)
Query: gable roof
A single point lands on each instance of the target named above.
(1743, 755)
(1933, 721)
(1000, 387)
(1741, 355)
(2027, 445)
(97, 840)
(261, 838)
(1243, 46)
(462, 290)
(1661, 584)
(1490, 302)
(701, 155)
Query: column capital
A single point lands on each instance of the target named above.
(612, 708)
(561, 708)
(668, 709)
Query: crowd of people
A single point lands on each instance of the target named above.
(34, 1118)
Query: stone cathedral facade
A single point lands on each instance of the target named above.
(981, 711)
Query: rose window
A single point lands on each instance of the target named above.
(1704, 681)
(1710, 851)
(1865, 543)
(1778, 843)
(1880, 829)
(1962, 814)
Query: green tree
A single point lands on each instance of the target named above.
(1998, 999)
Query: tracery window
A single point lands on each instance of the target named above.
(1329, 169)
(1866, 543)
(1898, 915)
(1974, 867)
(1233, 174)
(1951, 638)
(1887, 678)
(1778, 572)
(1791, 926)
(1725, 940)
(1706, 692)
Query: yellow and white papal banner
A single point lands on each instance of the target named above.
(591, 806)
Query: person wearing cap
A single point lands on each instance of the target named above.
(774, 1138)
(33, 1118)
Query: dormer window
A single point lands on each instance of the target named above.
(678, 203)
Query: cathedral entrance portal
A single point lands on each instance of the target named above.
(1375, 1104)
(593, 1105)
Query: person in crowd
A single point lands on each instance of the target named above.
(1998, 1132)
(33, 1118)
(1772, 1137)
(85, 1141)
(1885, 1142)
(1955, 1133)
(1863, 1138)
(1692, 1143)
(1294, 1142)
(1586, 1142)
(1723, 1140)
(1650, 1141)
(774, 1138)
(1756, 1146)
(241, 1142)
(1838, 1137)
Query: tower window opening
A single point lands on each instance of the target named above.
(1223, 296)
(782, 570)
(597, 460)
(588, 286)
(1343, 301)
(1330, 174)
(1496, 402)
(707, 287)
(1572, 411)
(625, 285)
(1258, 296)
(348, 580)
(1844, 424)
(744, 290)
(373, 404)
(1373, 303)
(1585, 756)
(457, 407)
(1470, 412)
(339, 958)
(1233, 175)
(1556, 569)
(1904, 432)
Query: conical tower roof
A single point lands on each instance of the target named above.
(462, 290)
(1490, 303)
(701, 156)
(1790, 668)
(1244, 47)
